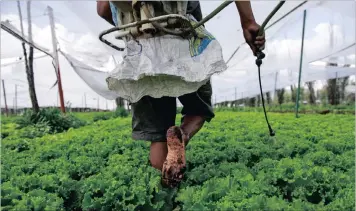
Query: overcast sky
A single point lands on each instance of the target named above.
(78, 25)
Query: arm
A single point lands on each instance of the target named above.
(245, 11)
(249, 26)
(104, 11)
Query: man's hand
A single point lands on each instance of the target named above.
(255, 42)
(250, 27)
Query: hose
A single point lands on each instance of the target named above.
(260, 55)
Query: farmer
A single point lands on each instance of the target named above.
(154, 118)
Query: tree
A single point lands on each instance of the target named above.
(252, 102)
(29, 60)
(332, 91)
(293, 93)
(120, 102)
(344, 82)
(312, 97)
(258, 98)
(280, 96)
(268, 98)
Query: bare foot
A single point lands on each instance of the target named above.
(175, 165)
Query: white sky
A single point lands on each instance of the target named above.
(78, 25)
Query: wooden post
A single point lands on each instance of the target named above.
(56, 60)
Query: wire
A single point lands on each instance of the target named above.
(36, 16)
(288, 13)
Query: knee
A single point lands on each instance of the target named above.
(158, 154)
(156, 162)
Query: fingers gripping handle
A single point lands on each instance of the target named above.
(259, 54)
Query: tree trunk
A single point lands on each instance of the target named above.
(258, 100)
(120, 102)
(252, 101)
(312, 97)
(344, 82)
(31, 82)
(280, 96)
(29, 61)
(332, 91)
(30, 78)
(268, 98)
(293, 93)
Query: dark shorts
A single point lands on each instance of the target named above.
(151, 117)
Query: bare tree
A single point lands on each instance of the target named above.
(268, 98)
(280, 96)
(120, 102)
(293, 93)
(332, 90)
(258, 98)
(251, 102)
(344, 82)
(30, 76)
(312, 98)
(29, 60)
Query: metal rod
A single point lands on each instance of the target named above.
(300, 65)
(15, 98)
(3, 89)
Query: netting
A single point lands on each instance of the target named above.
(86, 62)
(329, 38)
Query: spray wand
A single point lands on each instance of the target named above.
(260, 55)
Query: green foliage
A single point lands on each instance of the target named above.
(232, 164)
(121, 112)
(104, 116)
(290, 108)
(52, 117)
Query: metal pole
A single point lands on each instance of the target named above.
(85, 100)
(336, 91)
(55, 56)
(275, 82)
(300, 64)
(235, 96)
(3, 89)
(15, 98)
(98, 102)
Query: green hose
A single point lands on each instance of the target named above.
(260, 55)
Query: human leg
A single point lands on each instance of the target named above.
(151, 118)
(197, 108)
(158, 154)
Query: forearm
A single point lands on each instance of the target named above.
(245, 11)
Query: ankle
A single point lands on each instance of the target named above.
(191, 125)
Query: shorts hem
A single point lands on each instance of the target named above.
(207, 118)
(149, 137)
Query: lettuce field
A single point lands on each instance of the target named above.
(232, 164)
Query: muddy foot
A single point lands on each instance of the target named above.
(174, 166)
